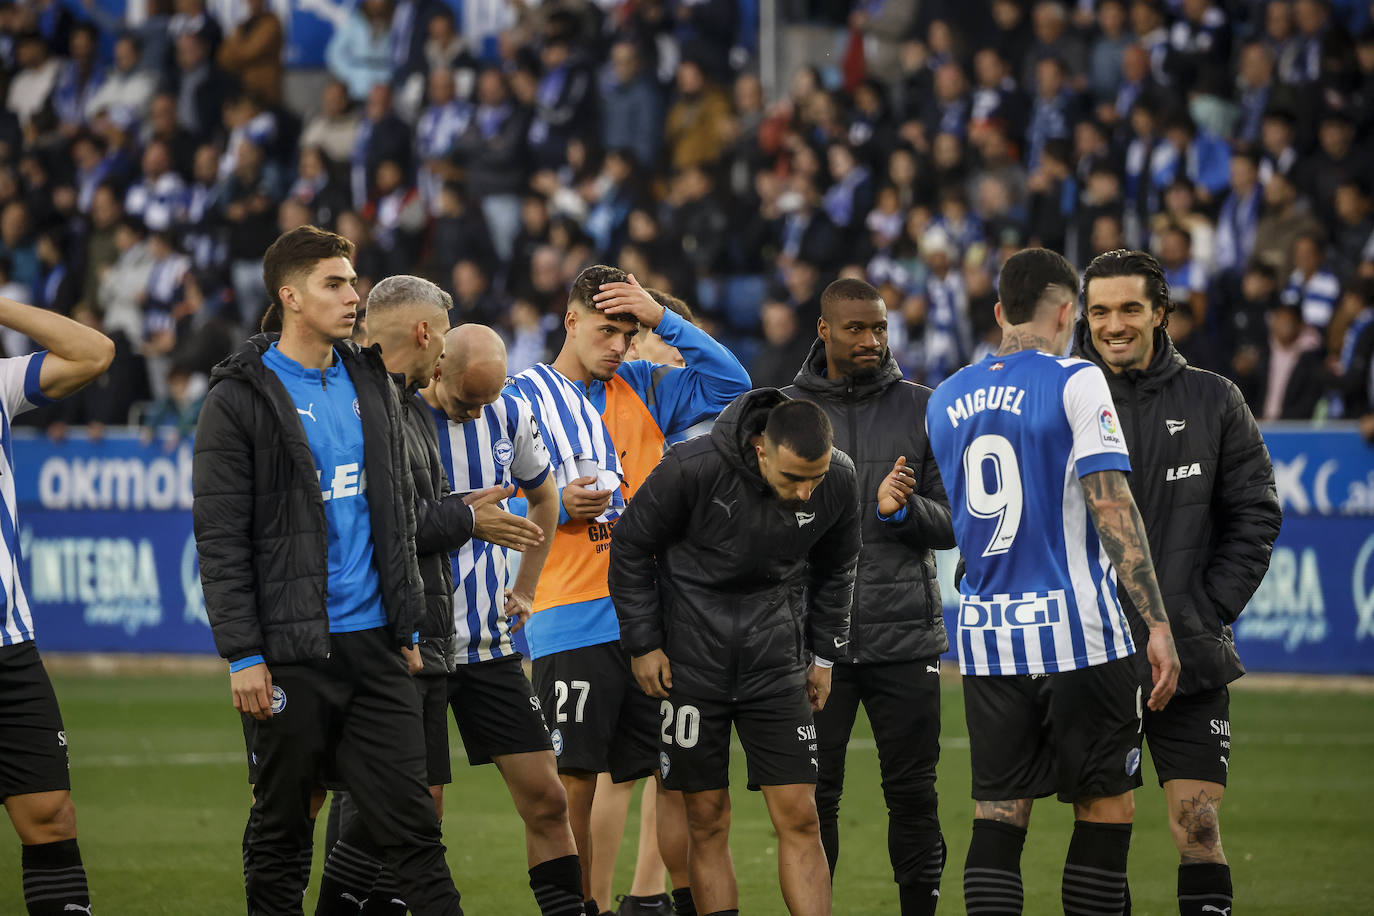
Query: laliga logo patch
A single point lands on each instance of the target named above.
(556, 736)
(1132, 761)
(504, 452)
(278, 700)
(1106, 427)
(357, 411)
(664, 764)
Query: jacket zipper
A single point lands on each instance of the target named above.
(853, 450)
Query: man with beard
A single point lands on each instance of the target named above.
(896, 630)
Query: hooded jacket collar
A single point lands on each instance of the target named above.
(741, 420)
(1164, 365)
(812, 377)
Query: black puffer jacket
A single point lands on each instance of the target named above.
(1204, 483)
(737, 590)
(259, 516)
(442, 524)
(896, 614)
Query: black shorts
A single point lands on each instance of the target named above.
(1191, 737)
(496, 710)
(599, 719)
(34, 741)
(777, 732)
(433, 690)
(1075, 734)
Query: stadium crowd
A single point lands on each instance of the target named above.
(145, 167)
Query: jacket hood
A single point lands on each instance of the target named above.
(1164, 365)
(742, 419)
(811, 377)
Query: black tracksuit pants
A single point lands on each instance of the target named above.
(902, 700)
(354, 717)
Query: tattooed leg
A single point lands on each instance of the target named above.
(1194, 819)
(1015, 812)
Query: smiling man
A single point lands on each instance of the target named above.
(1205, 487)
(305, 528)
(732, 574)
(896, 630)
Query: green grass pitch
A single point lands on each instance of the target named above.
(161, 801)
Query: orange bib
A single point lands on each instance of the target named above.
(580, 558)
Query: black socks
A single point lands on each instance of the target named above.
(1095, 869)
(557, 886)
(992, 871)
(1204, 887)
(55, 880)
(682, 902)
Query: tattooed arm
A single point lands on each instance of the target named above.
(1122, 532)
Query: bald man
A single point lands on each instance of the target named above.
(490, 439)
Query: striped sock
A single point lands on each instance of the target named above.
(385, 899)
(347, 881)
(1095, 869)
(920, 896)
(557, 886)
(1203, 888)
(992, 871)
(55, 880)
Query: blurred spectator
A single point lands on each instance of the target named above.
(565, 103)
(1286, 217)
(784, 349)
(18, 245)
(252, 53)
(473, 299)
(1292, 367)
(32, 86)
(101, 247)
(250, 197)
(79, 78)
(359, 52)
(397, 215)
(58, 289)
(447, 49)
(160, 197)
(1312, 288)
(316, 188)
(632, 109)
(527, 340)
(1337, 160)
(1239, 217)
(491, 152)
(191, 18)
(1053, 41)
(442, 121)
(1255, 82)
(124, 283)
(127, 85)
(942, 310)
(334, 129)
(172, 418)
(162, 126)
(1354, 227)
(200, 87)
(698, 126)
(1108, 56)
(381, 136)
(1185, 276)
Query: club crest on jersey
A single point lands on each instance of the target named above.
(805, 518)
(1107, 428)
(556, 737)
(664, 764)
(278, 700)
(1132, 761)
(357, 410)
(1175, 426)
(504, 452)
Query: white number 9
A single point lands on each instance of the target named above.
(1004, 500)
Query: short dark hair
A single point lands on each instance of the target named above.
(847, 289)
(1025, 279)
(1124, 263)
(295, 253)
(672, 303)
(802, 427)
(588, 284)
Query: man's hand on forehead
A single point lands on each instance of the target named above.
(630, 300)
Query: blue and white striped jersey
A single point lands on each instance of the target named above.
(1012, 436)
(500, 448)
(19, 392)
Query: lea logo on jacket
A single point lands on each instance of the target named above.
(1184, 471)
